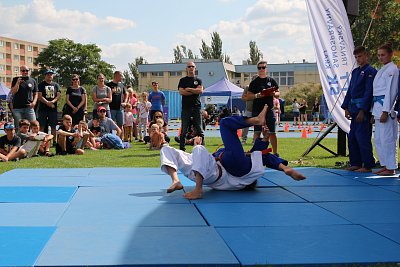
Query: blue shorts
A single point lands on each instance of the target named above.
(118, 117)
(316, 115)
(296, 114)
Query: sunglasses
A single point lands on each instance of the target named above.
(262, 68)
(191, 67)
(154, 83)
(100, 78)
(158, 117)
(102, 111)
(24, 70)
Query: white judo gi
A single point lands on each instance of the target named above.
(386, 134)
(203, 162)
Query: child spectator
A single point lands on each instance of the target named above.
(296, 112)
(143, 120)
(164, 128)
(129, 122)
(66, 136)
(96, 130)
(156, 137)
(44, 139)
(28, 142)
(82, 140)
(10, 144)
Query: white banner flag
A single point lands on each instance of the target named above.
(334, 47)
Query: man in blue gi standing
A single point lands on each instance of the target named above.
(357, 105)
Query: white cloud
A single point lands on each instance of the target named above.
(120, 54)
(44, 22)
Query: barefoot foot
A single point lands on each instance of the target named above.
(363, 170)
(379, 171)
(175, 186)
(261, 116)
(353, 168)
(193, 195)
(294, 174)
(388, 173)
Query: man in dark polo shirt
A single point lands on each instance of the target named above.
(190, 88)
(24, 90)
(48, 95)
(119, 98)
(262, 90)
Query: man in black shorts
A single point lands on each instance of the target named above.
(190, 88)
(48, 95)
(261, 91)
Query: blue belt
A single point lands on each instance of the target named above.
(379, 99)
(357, 102)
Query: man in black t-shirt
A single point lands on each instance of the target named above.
(262, 90)
(190, 88)
(119, 98)
(10, 144)
(24, 91)
(48, 95)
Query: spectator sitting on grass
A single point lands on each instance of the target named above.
(107, 124)
(10, 144)
(156, 137)
(28, 141)
(164, 130)
(44, 139)
(66, 136)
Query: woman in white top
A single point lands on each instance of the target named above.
(101, 95)
(383, 115)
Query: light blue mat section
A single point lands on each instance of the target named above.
(44, 180)
(390, 230)
(266, 214)
(36, 194)
(343, 193)
(366, 211)
(21, 246)
(332, 244)
(31, 214)
(80, 172)
(144, 246)
(132, 172)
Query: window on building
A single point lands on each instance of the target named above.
(30, 59)
(30, 48)
(2, 43)
(16, 69)
(158, 73)
(16, 46)
(144, 74)
(2, 79)
(2, 55)
(175, 73)
(16, 57)
(282, 81)
(290, 81)
(238, 75)
(2, 67)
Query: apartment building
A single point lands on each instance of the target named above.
(15, 53)
(211, 71)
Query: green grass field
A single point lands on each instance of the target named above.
(140, 156)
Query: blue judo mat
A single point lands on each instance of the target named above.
(124, 217)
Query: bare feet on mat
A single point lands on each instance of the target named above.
(193, 194)
(353, 168)
(381, 170)
(363, 170)
(175, 186)
(387, 172)
(294, 174)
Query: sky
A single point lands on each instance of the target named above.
(126, 29)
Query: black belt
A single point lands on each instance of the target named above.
(219, 173)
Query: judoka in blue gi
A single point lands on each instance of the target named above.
(357, 105)
(230, 168)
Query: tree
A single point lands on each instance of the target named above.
(133, 72)
(216, 46)
(385, 25)
(181, 52)
(66, 57)
(255, 54)
(205, 50)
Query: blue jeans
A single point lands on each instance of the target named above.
(23, 113)
(117, 115)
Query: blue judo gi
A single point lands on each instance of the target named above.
(359, 96)
(233, 157)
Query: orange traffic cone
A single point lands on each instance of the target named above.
(179, 131)
(322, 127)
(299, 126)
(304, 133)
(216, 124)
(309, 130)
(239, 133)
(286, 129)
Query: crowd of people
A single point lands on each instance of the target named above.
(118, 111)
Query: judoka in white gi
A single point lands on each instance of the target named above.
(227, 169)
(384, 116)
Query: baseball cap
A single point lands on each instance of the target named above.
(101, 108)
(9, 126)
(49, 71)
